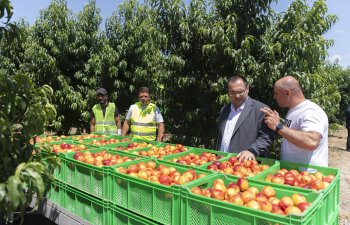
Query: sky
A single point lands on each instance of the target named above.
(340, 32)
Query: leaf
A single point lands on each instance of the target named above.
(19, 169)
(2, 191)
(13, 190)
(5, 5)
(34, 171)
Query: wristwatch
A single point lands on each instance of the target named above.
(279, 127)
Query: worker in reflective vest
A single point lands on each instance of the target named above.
(143, 118)
(104, 117)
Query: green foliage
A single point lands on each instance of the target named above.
(184, 53)
(24, 112)
(207, 45)
(8, 30)
(342, 82)
(64, 51)
(12, 50)
(343, 79)
(132, 32)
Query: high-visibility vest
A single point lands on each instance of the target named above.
(105, 124)
(143, 124)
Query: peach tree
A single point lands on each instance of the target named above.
(203, 44)
(183, 52)
(68, 52)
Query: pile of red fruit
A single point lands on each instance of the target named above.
(304, 179)
(196, 159)
(47, 139)
(233, 167)
(161, 175)
(65, 147)
(159, 152)
(265, 199)
(133, 145)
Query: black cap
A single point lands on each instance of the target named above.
(101, 91)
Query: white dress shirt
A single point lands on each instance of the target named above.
(230, 126)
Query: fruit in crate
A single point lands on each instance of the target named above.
(102, 158)
(106, 141)
(196, 159)
(133, 145)
(39, 139)
(304, 179)
(159, 152)
(162, 174)
(66, 147)
(233, 167)
(264, 199)
(88, 136)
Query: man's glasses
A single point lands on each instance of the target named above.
(234, 93)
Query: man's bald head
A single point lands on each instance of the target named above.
(287, 92)
(290, 83)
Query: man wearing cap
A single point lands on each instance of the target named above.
(104, 116)
(143, 118)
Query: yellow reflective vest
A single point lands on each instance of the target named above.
(105, 124)
(143, 124)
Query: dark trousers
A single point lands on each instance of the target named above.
(348, 142)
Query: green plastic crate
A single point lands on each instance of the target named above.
(196, 151)
(54, 191)
(330, 194)
(88, 178)
(92, 209)
(155, 201)
(271, 162)
(121, 216)
(198, 209)
(58, 173)
(334, 220)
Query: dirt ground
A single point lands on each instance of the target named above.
(340, 158)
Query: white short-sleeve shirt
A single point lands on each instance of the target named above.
(307, 116)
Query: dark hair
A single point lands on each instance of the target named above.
(238, 77)
(144, 89)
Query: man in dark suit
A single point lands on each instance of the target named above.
(242, 128)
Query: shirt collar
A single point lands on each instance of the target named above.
(240, 109)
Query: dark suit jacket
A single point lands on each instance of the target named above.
(251, 132)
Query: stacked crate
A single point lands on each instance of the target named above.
(102, 195)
